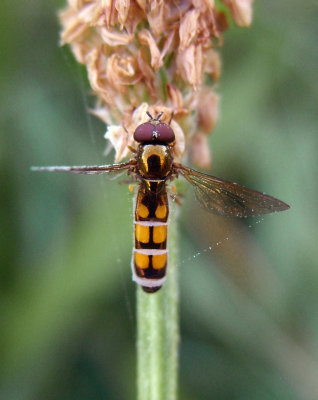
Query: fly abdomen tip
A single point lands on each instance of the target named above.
(150, 289)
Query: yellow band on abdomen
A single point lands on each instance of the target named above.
(142, 233)
(141, 260)
(159, 261)
(159, 233)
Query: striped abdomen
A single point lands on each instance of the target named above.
(149, 261)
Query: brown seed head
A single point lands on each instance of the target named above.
(154, 56)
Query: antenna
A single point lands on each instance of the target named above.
(159, 116)
(172, 114)
(149, 115)
(157, 119)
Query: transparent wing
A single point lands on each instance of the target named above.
(229, 199)
(89, 170)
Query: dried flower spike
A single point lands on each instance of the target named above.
(152, 56)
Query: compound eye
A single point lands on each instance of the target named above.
(164, 133)
(144, 132)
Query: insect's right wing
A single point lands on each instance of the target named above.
(227, 198)
(89, 170)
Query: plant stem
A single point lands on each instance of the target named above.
(158, 333)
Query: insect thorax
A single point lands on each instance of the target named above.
(154, 160)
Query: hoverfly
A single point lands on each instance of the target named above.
(153, 166)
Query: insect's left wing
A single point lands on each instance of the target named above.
(89, 170)
(227, 198)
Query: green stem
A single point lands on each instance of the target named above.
(158, 334)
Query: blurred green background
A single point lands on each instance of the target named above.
(248, 308)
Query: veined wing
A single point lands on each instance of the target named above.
(89, 170)
(229, 199)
